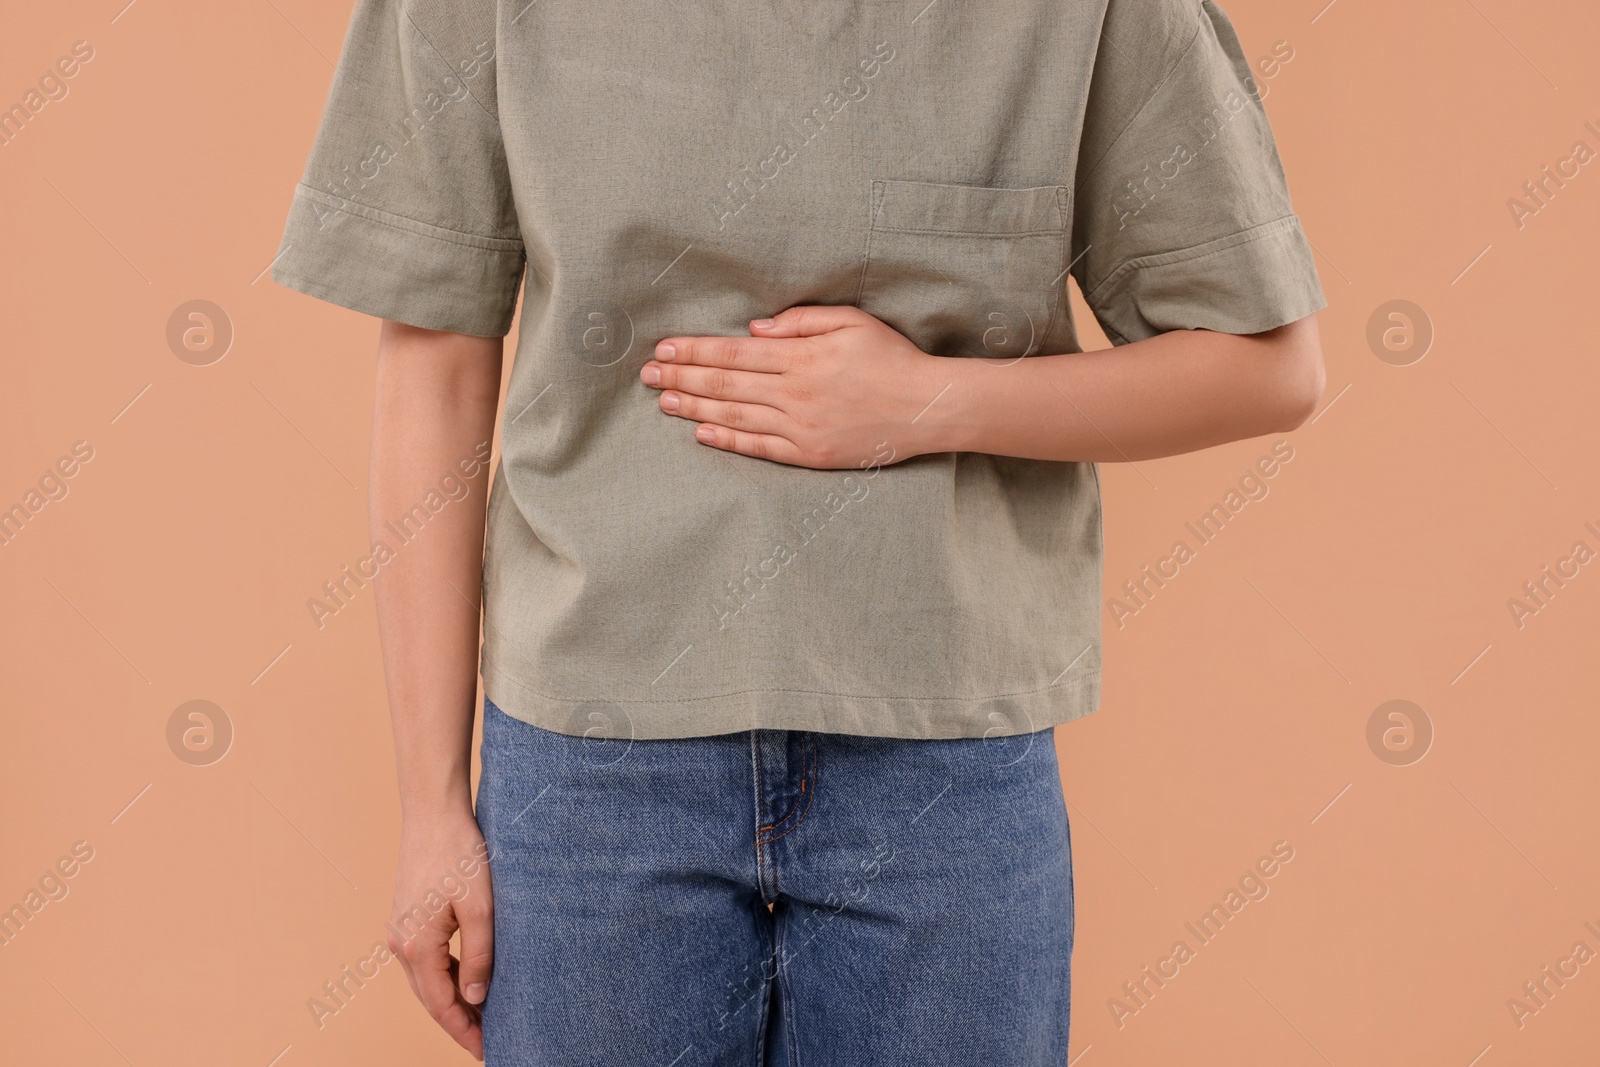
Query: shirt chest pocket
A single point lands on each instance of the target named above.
(965, 270)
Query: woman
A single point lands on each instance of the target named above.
(793, 550)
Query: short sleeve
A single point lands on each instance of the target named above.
(405, 210)
(1182, 218)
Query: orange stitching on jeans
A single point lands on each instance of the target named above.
(786, 815)
(761, 793)
(761, 800)
(814, 761)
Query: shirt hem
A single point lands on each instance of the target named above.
(922, 718)
(1245, 282)
(393, 268)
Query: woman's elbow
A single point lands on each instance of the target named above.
(1305, 376)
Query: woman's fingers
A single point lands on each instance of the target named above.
(432, 972)
(475, 912)
(756, 445)
(756, 418)
(764, 354)
(428, 910)
(809, 320)
(717, 383)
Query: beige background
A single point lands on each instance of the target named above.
(1420, 897)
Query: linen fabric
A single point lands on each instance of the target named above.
(680, 168)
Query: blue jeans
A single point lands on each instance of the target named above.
(921, 898)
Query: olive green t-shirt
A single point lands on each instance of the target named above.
(680, 167)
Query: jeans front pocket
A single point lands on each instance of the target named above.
(966, 270)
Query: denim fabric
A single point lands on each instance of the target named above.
(921, 890)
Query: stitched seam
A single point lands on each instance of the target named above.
(1148, 101)
(805, 776)
(875, 192)
(764, 1018)
(761, 1032)
(815, 774)
(1195, 253)
(774, 824)
(804, 770)
(1085, 675)
(781, 977)
(435, 50)
(1052, 232)
(1060, 284)
(778, 837)
(755, 752)
(761, 792)
(407, 225)
(880, 191)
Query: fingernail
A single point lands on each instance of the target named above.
(475, 992)
(669, 401)
(762, 324)
(651, 375)
(665, 352)
(706, 434)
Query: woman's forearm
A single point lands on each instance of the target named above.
(832, 387)
(1173, 393)
(437, 394)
